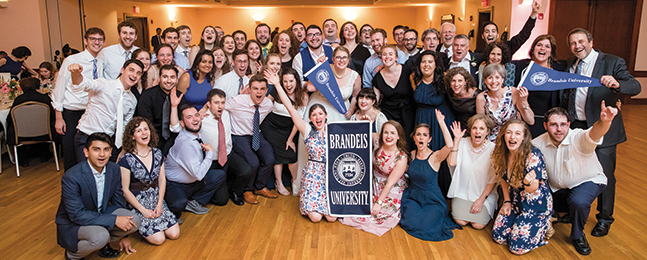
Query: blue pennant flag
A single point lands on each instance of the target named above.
(545, 79)
(321, 77)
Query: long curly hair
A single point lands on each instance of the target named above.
(402, 140)
(196, 64)
(129, 142)
(501, 153)
(294, 43)
(469, 80)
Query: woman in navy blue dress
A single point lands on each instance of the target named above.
(197, 81)
(424, 211)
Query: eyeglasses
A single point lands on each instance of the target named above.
(411, 39)
(95, 39)
(313, 34)
(341, 57)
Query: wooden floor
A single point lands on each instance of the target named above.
(274, 229)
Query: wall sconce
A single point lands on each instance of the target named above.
(258, 18)
(4, 3)
(171, 15)
(350, 13)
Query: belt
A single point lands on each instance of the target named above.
(140, 186)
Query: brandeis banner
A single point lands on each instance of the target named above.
(349, 168)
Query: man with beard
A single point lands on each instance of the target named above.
(263, 37)
(330, 31)
(114, 56)
(463, 57)
(410, 43)
(299, 31)
(190, 182)
(171, 37)
(155, 105)
(69, 103)
(316, 53)
(247, 113)
(240, 38)
(491, 32)
(373, 64)
(574, 173)
(448, 31)
(236, 80)
(184, 47)
(398, 36)
(365, 37)
(110, 107)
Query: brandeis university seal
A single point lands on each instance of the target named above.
(349, 169)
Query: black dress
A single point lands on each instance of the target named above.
(278, 126)
(286, 65)
(358, 57)
(398, 103)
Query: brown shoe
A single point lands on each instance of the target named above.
(266, 193)
(250, 198)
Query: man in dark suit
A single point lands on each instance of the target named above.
(92, 210)
(583, 105)
(157, 38)
(463, 57)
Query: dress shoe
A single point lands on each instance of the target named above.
(582, 246)
(238, 200)
(266, 193)
(108, 252)
(600, 229)
(250, 198)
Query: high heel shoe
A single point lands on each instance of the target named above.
(281, 189)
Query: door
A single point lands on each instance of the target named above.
(485, 15)
(142, 31)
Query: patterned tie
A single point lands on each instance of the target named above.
(120, 119)
(222, 145)
(240, 85)
(203, 152)
(186, 53)
(256, 136)
(127, 54)
(166, 117)
(95, 73)
(573, 92)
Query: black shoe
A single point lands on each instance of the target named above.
(108, 252)
(582, 246)
(68, 258)
(238, 200)
(601, 229)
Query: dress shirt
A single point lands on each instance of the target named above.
(210, 134)
(588, 64)
(465, 62)
(182, 51)
(185, 162)
(449, 50)
(112, 59)
(66, 97)
(241, 110)
(328, 43)
(100, 179)
(297, 62)
(372, 63)
(180, 60)
(101, 112)
(573, 162)
(369, 47)
(230, 83)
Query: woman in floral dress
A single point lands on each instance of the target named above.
(144, 183)
(388, 182)
(524, 216)
(502, 103)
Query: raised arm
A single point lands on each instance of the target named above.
(600, 128)
(441, 155)
(520, 96)
(452, 159)
(294, 114)
(75, 70)
(174, 122)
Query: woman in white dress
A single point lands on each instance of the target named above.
(473, 179)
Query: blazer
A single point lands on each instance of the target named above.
(474, 64)
(612, 65)
(78, 205)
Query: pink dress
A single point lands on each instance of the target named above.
(388, 217)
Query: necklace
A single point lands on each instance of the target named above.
(478, 150)
(143, 156)
(338, 76)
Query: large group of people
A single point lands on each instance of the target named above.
(452, 130)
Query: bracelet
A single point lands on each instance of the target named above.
(526, 107)
(507, 201)
(455, 151)
(529, 184)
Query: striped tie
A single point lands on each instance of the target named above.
(95, 73)
(256, 136)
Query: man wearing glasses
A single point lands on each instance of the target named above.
(316, 53)
(410, 43)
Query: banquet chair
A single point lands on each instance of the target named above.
(31, 119)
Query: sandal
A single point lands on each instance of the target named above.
(281, 189)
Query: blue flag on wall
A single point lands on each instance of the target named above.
(545, 79)
(322, 77)
(349, 167)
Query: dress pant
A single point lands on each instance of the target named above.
(178, 194)
(577, 202)
(79, 143)
(93, 238)
(71, 119)
(238, 175)
(607, 158)
(261, 161)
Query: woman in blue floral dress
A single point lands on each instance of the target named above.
(313, 201)
(524, 217)
(502, 103)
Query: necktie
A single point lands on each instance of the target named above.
(222, 145)
(127, 54)
(120, 119)
(186, 53)
(573, 93)
(447, 52)
(240, 85)
(166, 117)
(256, 136)
(95, 73)
(203, 152)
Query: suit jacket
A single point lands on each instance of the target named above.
(474, 64)
(78, 205)
(606, 64)
(156, 41)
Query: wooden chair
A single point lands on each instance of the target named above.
(31, 119)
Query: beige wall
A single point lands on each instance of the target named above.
(16, 31)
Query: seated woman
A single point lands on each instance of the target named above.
(164, 55)
(461, 91)
(502, 103)
(144, 183)
(366, 109)
(472, 188)
(145, 57)
(389, 164)
(313, 201)
(15, 62)
(286, 45)
(525, 214)
(207, 42)
(196, 82)
(497, 53)
(424, 211)
(47, 74)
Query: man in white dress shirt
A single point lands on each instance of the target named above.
(171, 37)
(448, 31)
(575, 175)
(316, 53)
(234, 81)
(184, 47)
(112, 58)
(70, 103)
(110, 107)
(463, 57)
